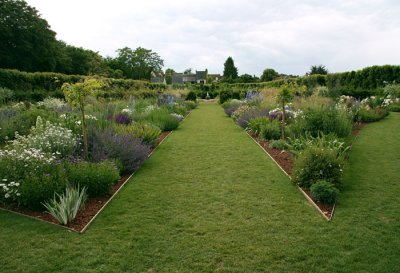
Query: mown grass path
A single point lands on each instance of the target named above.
(210, 200)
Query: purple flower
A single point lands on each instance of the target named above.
(122, 119)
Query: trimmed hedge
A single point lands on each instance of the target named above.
(38, 85)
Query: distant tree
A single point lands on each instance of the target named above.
(318, 69)
(139, 63)
(269, 74)
(187, 71)
(246, 78)
(168, 75)
(26, 40)
(230, 71)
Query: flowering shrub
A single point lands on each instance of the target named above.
(48, 138)
(323, 119)
(122, 118)
(126, 148)
(241, 110)
(177, 116)
(316, 163)
(245, 118)
(53, 104)
(148, 133)
(231, 106)
(9, 191)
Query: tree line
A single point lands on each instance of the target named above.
(27, 43)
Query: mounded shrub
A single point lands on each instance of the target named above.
(126, 148)
(191, 96)
(325, 120)
(162, 119)
(324, 192)
(245, 118)
(371, 115)
(98, 178)
(148, 133)
(316, 163)
(279, 144)
(271, 130)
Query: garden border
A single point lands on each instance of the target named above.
(300, 189)
(83, 230)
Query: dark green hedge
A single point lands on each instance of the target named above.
(38, 85)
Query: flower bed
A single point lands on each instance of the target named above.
(65, 157)
(308, 139)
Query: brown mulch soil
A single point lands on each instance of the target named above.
(92, 206)
(285, 161)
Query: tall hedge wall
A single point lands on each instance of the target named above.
(35, 86)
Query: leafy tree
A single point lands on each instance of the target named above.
(187, 71)
(168, 75)
(246, 78)
(318, 69)
(77, 95)
(269, 74)
(139, 63)
(26, 40)
(230, 71)
(284, 96)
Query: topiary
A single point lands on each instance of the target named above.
(324, 192)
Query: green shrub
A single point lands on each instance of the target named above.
(371, 115)
(329, 141)
(271, 130)
(180, 109)
(148, 133)
(162, 119)
(23, 121)
(224, 96)
(65, 207)
(6, 95)
(191, 96)
(324, 192)
(316, 163)
(395, 107)
(99, 178)
(40, 185)
(256, 124)
(279, 144)
(325, 120)
(190, 105)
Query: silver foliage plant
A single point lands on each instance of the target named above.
(65, 207)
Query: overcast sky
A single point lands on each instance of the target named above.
(286, 35)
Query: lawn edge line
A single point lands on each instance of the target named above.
(37, 219)
(247, 133)
(126, 181)
(300, 189)
(120, 188)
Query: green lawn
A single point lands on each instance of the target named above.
(210, 200)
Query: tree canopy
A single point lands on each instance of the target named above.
(318, 69)
(139, 63)
(230, 71)
(26, 40)
(269, 74)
